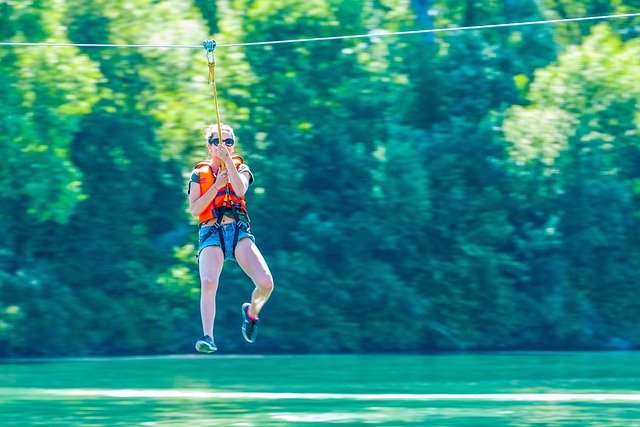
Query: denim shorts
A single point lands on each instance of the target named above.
(210, 236)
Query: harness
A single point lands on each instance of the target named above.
(218, 225)
(225, 200)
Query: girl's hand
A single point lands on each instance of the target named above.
(224, 154)
(221, 180)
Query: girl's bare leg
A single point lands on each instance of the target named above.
(210, 265)
(253, 264)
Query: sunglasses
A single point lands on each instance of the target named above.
(215, 141)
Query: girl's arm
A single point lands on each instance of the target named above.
(199, 202)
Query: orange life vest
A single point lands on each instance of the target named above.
(226, 198)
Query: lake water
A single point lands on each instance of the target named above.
(498, 389)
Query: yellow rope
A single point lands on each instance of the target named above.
(211, 80)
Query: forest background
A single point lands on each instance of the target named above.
(466, 190)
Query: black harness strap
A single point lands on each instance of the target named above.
(218, 225)
(234, 210)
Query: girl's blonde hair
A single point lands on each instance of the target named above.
(213, 129)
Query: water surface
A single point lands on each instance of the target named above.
(500, 389)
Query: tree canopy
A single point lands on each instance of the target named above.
(464, 190)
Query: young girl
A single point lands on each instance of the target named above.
(216, 197)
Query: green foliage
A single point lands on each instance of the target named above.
(585, 155)
(470, 190)
(45, 96)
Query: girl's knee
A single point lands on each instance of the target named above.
(266, 283)
(208, 284)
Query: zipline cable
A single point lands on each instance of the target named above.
(344, 37)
